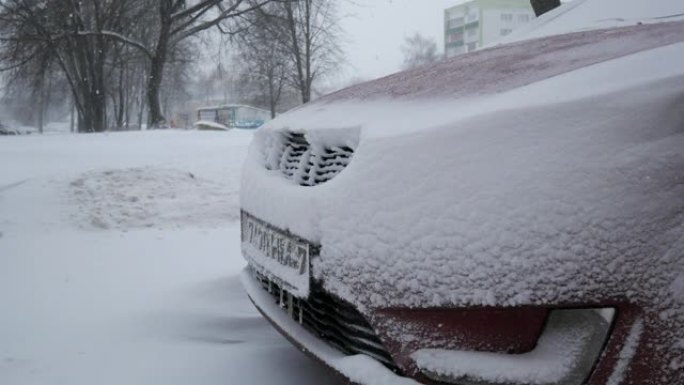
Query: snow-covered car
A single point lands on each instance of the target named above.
(510, 216)
(10, 129)
(5, 130)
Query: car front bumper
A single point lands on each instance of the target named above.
(356, 369)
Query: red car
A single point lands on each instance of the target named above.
(510, 216)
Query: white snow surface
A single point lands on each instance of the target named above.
(152, 197)
(151, 298)
(537, 190)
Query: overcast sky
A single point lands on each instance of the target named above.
(374, 31)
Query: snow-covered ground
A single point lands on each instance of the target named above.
(119, 264)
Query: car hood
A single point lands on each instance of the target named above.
(540, 71)
(535, 189)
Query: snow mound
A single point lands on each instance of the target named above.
(151, 198)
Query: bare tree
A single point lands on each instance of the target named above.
(312, 41)
(419, 51)
(175, 21)
(36, 32)
(542, 6)
(103, 47)
(35, 92)
(263, 59)
(309, 32)
(127, 67)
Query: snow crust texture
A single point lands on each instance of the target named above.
(151, 197)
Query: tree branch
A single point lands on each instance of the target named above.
(227, 13)
(119, 37)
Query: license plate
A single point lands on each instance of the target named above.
(280, 255)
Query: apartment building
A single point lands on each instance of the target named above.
(471, 25)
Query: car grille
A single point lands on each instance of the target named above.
(307, 164)
(334, 321)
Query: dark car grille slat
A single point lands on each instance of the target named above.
(345, 333)
(309, 165)
(335, 322)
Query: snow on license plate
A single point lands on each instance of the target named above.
(281, 256)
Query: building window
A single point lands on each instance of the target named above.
(523, 18)
(455, 23)
(506, 17)
(472, 17)
(505, 31)
(472, 32)
(472, 46)
(454, 37)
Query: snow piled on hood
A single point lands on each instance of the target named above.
(512, 208)
(330, 123)
(567, 190)
(677, 288)
(515, 201)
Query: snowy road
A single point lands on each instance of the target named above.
(119, 258)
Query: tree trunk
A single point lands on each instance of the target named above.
(296, 52)
(99, 110)
(41, 107)
(127, 99)
(96, 103)
(542, 6)
(85, 121)
(272, 97)
(92, 109)
(155, 117)
(119, 99)
(72, 113)
(141, 107)
(308, 80)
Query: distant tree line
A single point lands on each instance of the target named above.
(419, 51)
(120, 59)
(284, 48)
